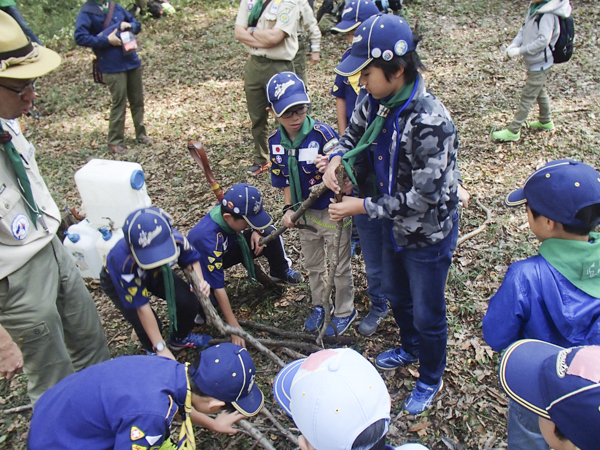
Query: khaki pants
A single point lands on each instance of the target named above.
(50, 315)
(313, 250)
(534, 90)
(257, 73)
(125, 86)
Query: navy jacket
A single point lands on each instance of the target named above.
(89, 33)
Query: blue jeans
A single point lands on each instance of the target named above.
(413, 281)
(14, 12)
(370, 234)
(524, 429)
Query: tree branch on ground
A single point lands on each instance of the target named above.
(340, 340)
(486, 222)
(278, 425)
(255, 434)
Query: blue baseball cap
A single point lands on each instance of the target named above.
(246, 201)
(559, 190)
(284, 90)
(147, 232)
(226, 372)
(354, 13)
(381, 36)
(558, 384)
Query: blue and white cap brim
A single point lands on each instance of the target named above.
(282, 106)
(515, 198)
(282, 385)
(352, 65)
(157, 255)
(259, 221)
(251, 404)
(345, 25)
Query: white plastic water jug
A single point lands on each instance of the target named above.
(111, 190)
(107, 240)
(81, 244)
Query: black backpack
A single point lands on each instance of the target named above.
(563, 49)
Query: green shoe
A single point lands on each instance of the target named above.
(506, 135)
(537, 125)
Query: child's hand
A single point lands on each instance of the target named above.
(322, 161)
(235, 339)
(349, 206)
(113, 39)
(329, 178)
(205, 288)
(254, 239)
(224, 421)
(463, 196)
(347, 187)
(286, 220)
(315, 58)
(513, 51)
(125, 25)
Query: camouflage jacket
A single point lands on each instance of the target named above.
(418, 186)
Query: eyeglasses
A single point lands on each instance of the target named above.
(22, 92)
(300, 111)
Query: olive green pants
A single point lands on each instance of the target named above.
(300, 59)
(50, 315)
(125, 86)
(534, 90)
(257, 73)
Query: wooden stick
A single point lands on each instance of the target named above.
(255, 434)
(488, 219)
(215, 320)
(278, 425)
(292, 353)
(315, 192)
(17, 409)
(340, 340)
(306, 346)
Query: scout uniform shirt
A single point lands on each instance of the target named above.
(129, 279)
(347, 88)
(212, 242)
(19, 239)
(310, 176)
(283, 14)
(126, 403)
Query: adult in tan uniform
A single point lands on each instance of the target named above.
(49, 326)
(269, 29)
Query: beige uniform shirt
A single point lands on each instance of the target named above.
(310, 25)
(19, 239)
(281, 14)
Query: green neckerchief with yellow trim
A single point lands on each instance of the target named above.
(169, 283)
(186, 435)
(215, 214)
(577, 261)
(375, 127)
(292, 150)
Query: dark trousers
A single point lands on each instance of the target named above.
(187, 305)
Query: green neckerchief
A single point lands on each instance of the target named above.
(103, 4)
(215, 214)
(255, 13)
(293, 171)
(375, 127)
(169, 282)
(24, 184)
(533, 7)
(577, 261)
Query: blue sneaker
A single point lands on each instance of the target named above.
(421, 398)
(341, 323)
(290, 277)
(394, 358)
(369, 324)
(192, 340)
(150, 352)
(315, 320)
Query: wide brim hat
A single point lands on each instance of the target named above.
(19, 58)
(381, 36)
(354, 13)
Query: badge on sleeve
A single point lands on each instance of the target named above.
(278, 150)
(136, 433)
(20, 226)
(153, 439)
(138, 447)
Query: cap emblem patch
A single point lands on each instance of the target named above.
(146, 238)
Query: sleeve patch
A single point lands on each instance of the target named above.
(132, 290)
(136, 434)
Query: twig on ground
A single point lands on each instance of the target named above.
(17, 409)
(278, 425)
(114, 337)
(486, 222)
(213, 319)
(292, 353)
(315, 193)
(340, 340)
(255, 434)
(306, 346)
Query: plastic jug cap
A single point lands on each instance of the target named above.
(73, 237)
(106, 233)
(137, 179)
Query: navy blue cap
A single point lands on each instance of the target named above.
(381, 36)
(559, 190)
(147, 232)
(558, 384)
(226, 372)
(284, 90)
(246, 201)
(354, 13)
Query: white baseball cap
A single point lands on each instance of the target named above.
(332, 396)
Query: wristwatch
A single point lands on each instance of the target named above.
(159, 347)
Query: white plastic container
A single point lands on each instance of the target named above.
(81, 244)
(107, 240)
(111, 190)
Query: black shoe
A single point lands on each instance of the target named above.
(255, 169)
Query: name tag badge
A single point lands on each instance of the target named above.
(274, 6)
(308, 155)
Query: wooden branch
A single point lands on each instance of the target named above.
(333, 263)
(306, 346)
(292, 353)
(278, 425)
(215, 320)
(255, 434)
(315, 192)
(17, 409)
(340, 340)
(488, 219)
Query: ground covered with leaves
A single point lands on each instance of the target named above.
(193, 80)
